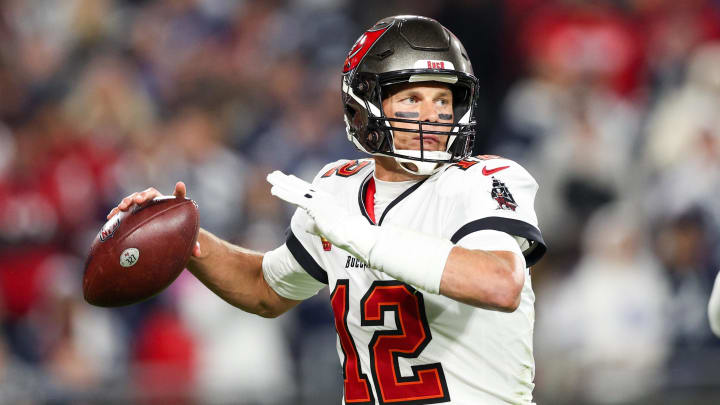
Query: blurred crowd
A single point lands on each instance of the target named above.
(613, 106)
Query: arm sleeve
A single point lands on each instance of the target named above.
(501, 201)
(287, 277)
(714, 307)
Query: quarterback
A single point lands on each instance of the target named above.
(425, 249)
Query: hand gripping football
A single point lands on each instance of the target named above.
(138, 253)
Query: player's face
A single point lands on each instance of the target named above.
(426, 102)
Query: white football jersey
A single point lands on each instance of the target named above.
(401, 345)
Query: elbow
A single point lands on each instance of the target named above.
(510, 281)
(508, 305)
(502, 298)
(486, 283)
(508, 300)
(507, 295)
(267, 311)
(259, 308)
(269, 314)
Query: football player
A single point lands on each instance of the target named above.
(714, 307)
(426, 250)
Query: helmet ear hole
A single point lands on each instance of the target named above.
(374, 139)
(361, 87)
(354, 116)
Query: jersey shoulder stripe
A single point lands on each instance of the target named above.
(305, 259)
(494, 193)
(512, 227)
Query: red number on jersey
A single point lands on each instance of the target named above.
(357, 387)
(346, 169)
(427, 383)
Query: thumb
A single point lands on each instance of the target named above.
(196, 250)
(180, 190)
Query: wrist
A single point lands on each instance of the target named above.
(209, 245)
(415, 258)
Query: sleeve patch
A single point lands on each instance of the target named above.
(501, 194)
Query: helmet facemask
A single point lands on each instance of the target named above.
(372, 130)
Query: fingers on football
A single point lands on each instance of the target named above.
(134, 199)
(146, 195)
(124, 204)
(112, 213)
(180, 190)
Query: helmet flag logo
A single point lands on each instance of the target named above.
(360, 48)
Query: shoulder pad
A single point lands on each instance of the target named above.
(487, 165)
(482, 170)
(344, 168)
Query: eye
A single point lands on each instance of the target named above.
(442, 102)
(409, 100)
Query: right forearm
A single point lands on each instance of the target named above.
(235, 275)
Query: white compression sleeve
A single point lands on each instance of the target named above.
(410, 256)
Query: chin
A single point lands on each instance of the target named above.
(433, 147)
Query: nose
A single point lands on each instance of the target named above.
(428, 111)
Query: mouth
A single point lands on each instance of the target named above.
(428, 141)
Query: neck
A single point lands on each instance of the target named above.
(388, 169)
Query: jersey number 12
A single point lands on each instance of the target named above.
(427, 383)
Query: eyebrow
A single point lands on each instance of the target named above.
(412, 92)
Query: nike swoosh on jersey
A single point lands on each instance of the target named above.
(487, 172)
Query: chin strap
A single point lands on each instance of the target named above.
(419, 167)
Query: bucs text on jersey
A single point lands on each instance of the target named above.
(400, 345)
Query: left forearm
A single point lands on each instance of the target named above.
(491, 279)
(487, 279)
(484, 279)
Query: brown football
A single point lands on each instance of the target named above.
(138, 253)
